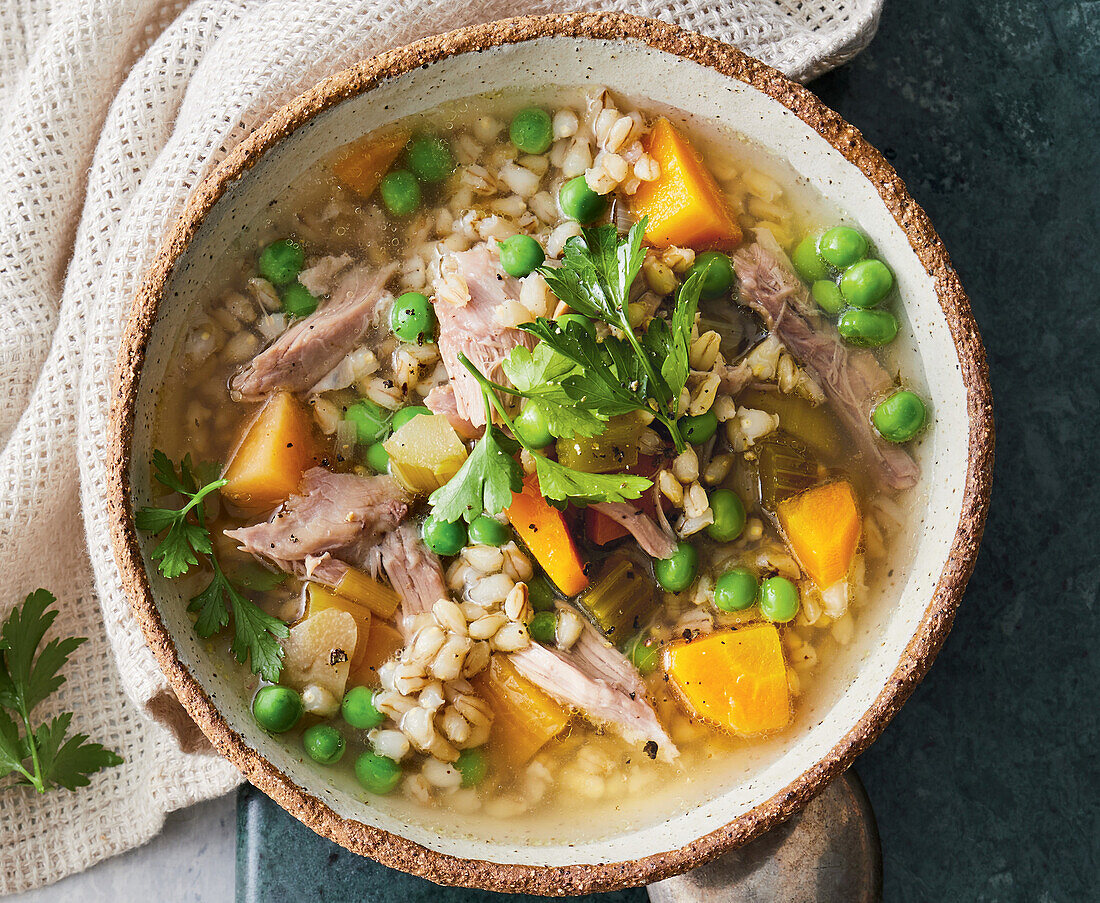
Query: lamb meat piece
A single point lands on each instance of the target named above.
(441, 400)
(852, 378)
(415, 572)
(474, 330)
(332, 511)
(597, 679)
(320, 279)
(314, 345)
(653, 540)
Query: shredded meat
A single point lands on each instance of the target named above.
(313, 346)
(320, 278)
(653, 540)
(414, 571)
(851, 378)
(333, 511)
(597, 679)
(441, 400)
(474, 330)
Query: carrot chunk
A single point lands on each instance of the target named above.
(735, 679)
(382, 643)
(823, 527)
(365, 161)
(684, 204)
(524, 717)
(542, 528)
(277, 448)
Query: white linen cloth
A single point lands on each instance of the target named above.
(112, 112)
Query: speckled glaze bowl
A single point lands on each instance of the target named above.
(898, 634)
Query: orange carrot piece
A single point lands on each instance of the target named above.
(542, 528)
(734, 679)
(383, 642)
(278, 446)
(365, 161)
(524, 717)
(823, 527)
(684, 204)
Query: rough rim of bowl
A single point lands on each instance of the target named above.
(396, 851)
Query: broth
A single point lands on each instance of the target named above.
(778, 437)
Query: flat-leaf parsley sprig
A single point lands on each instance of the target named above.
(491, 473)
(256, 634)
(616, 375)
(45, 756)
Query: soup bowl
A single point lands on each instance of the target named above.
(903, 628)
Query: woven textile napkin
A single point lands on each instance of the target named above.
(112, 112)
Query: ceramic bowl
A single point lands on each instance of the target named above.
(898, 635)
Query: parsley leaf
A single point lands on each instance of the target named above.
(537, 376)
(484, 483)
(597, 271)
(563, 484)
(619, 373)
(28, 675)
(256, 634)
(186, 539)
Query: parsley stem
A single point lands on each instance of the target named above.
(36, 778)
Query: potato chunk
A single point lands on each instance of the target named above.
(425, 453)
(319, 650)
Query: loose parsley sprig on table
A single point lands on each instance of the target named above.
(617, 375)
(256, 634)
(41, 757)
(491, 474)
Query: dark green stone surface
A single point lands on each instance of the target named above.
(987, 784)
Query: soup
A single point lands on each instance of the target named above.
(531, 457)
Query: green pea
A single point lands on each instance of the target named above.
(900, 416)
(698, 428)
(808, 262)
(642, 654)
(377, 774)
(677, 572)
(281, 261)
(359, 710)
(842, 246)
(403, 416)
(735, 590)
(277, 709)
(866, 282)
(778, 599)
(541, 594)
(532, 426)
(729, 516)
(579, 202)
(718, 269)
(488, 531)
(429, 158)
(324, 744)
(521, 255)
(543, 626)
(298, 301)
(378, 458)
(473, 765)
(400, 192)
(372, 422)
(532, 130)
(580, 320)
(443, 537)
(827, 295)
(867, 328)
(412, 318)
